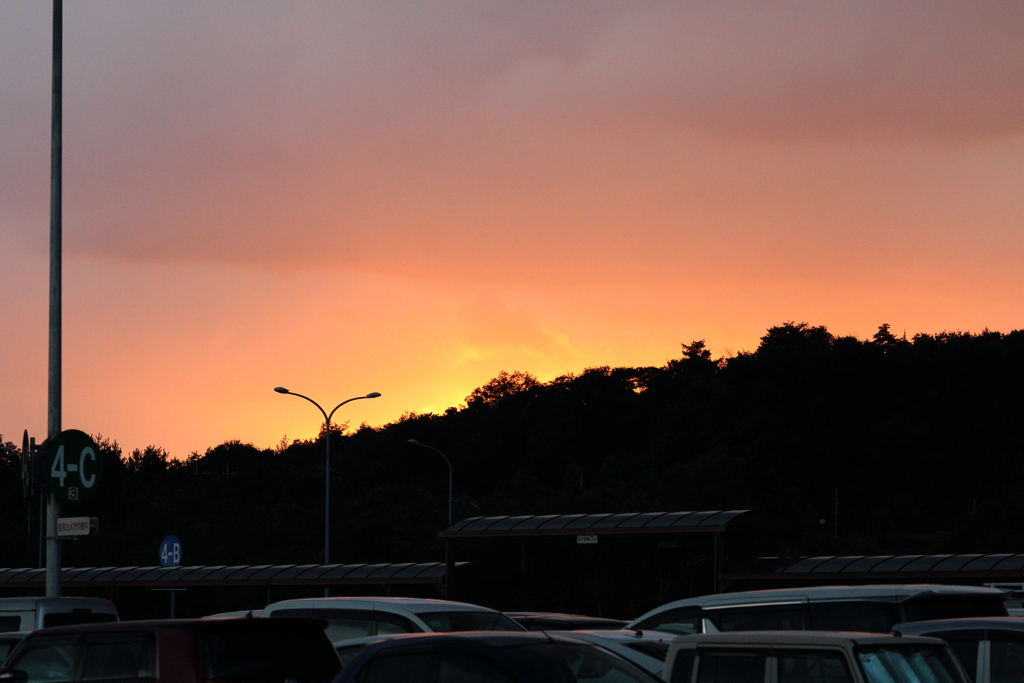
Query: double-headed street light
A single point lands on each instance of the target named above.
(414, 442)
(327, 461)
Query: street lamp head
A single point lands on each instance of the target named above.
(281, 390)
(373, 394)
(414, 442)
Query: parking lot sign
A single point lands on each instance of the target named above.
(170, 552)
(73, 466)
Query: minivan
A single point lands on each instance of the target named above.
(990, 650)
(28, 614)
(873, 609)
(810, 657)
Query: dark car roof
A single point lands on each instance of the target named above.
(962, 624)
(557, 620)
(487, 642)
(486, 639)
(241, 623)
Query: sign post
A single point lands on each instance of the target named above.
(170, 556)
(72, 471)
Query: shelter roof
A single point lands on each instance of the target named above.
(239, 575)
(847, 568)
(630, 524)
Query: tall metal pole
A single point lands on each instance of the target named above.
(54, 384)
(327, 493)
(327, 466)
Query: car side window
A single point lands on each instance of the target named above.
(346, 623)
(787, 618)
(854, 615)
(1006, 657)
(731, 667)
(813, 667)
(118, 657)
(964, 645)
(8, 624)
(682, 667)
(683, 621)
(47, 661)
(456, 668)
(388, 624)
(399, 668)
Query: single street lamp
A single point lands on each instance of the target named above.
(327, 462)
(414, 442)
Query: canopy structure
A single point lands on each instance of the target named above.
(706, 529)
(831, 569)
(263, 575)
(632, 524)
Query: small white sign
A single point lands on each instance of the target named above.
(76, 526)
(586, 540)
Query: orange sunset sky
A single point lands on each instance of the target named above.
(409, 197)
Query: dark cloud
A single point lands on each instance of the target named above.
(357, 131)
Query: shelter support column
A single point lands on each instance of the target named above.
(717, 562)
(449, 569)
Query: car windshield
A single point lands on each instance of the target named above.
(576, 663)
(657, 650)
(476, 620)
(908, 664)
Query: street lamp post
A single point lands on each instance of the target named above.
(414, 442)
(327, 461)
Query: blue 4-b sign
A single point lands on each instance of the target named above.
(170, 552)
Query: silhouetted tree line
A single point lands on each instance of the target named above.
(920, 440)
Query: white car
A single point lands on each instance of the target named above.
(361, 617)
(29, 614)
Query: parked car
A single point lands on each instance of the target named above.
(176, 651)
(991, 650)
(236, 613)
(8, 641)
(875, 609)
(810, 657)
(521, 657)
(349, 648)
(28, 614)
(646, 649)
(361, 617)
(548, 621)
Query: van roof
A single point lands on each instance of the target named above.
(414, 605)
(800, 639)
(216, 625)
(962, 624)
(22, 604)
(892, 592)
(896, 591)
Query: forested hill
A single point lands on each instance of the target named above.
(921, 440)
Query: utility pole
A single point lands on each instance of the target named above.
(54, 380)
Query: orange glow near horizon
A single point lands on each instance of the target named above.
(342, 198)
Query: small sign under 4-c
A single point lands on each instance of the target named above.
(586, 540)
(77, 526)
